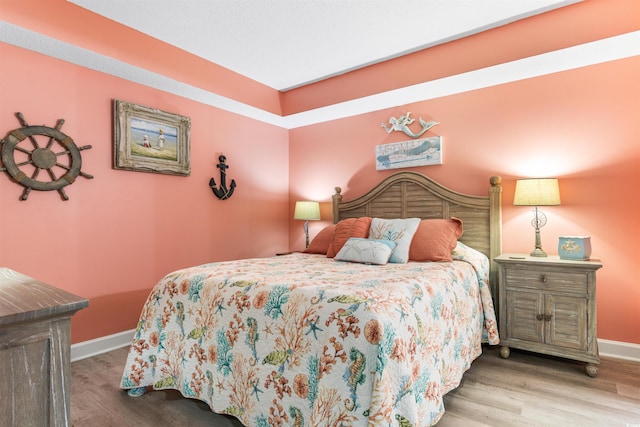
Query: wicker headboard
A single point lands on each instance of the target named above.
(413, 195)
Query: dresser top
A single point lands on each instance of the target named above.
(23, 298)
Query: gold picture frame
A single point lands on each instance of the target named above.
(150, 140)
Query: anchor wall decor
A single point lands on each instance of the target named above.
(402, 124)
(222, 193)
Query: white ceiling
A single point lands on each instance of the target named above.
(289, 43)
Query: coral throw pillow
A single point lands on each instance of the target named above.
(345, 229)
(320, 243)
(435, 239)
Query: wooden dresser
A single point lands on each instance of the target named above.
(35, 320)
(548, 305)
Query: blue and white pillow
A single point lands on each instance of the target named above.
(400, 231)
(366, 251)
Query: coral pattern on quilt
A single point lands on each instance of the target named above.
(304, 340)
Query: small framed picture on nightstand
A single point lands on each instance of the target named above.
(574, 247)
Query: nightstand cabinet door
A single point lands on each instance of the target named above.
(568, 324)
(521, 322)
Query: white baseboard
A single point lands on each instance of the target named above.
(619, 350)
(82, 350)
(85, 349)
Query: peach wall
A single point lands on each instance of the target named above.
(122, 231)
(579, 126)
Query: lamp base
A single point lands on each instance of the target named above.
(537, 252)
(306, 233)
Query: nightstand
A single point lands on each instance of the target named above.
(548, 305)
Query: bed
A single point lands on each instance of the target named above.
(307, 340)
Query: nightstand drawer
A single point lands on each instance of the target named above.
(550, 280)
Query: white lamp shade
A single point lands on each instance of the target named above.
(307, 210)
(537, 192)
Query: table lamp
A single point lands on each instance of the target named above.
(307, 210)
(537, 192)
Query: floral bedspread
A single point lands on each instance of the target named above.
(304, 340)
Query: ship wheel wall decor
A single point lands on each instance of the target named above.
(24, 156)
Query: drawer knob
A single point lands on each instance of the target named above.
(543, 278)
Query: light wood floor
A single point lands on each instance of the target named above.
(524, 390)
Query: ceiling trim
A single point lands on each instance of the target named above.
(609, 49)
(605, 50)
